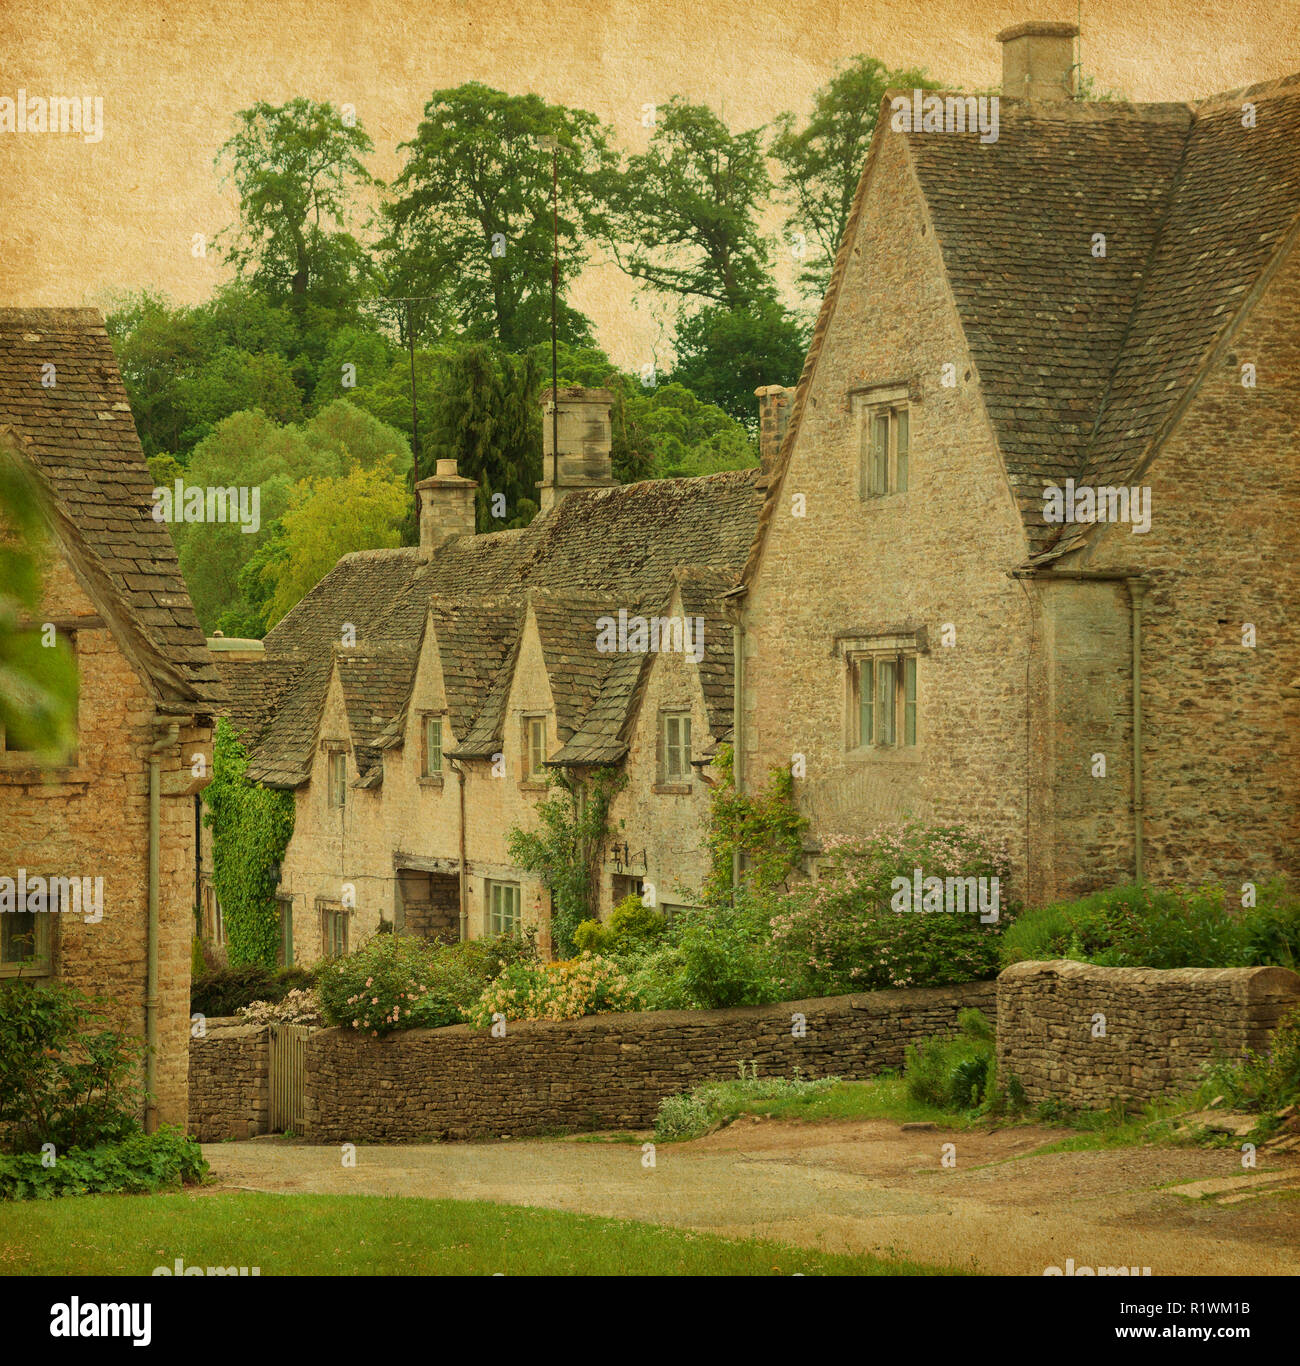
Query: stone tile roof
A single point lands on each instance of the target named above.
(80, 438)
(1084, 361)
(596, 552)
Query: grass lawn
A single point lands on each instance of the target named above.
(361, 1235)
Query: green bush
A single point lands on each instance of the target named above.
(843, 933)
(689, 1114)
(953, 1073)
(632, 928)
(592, 936)
(1263, 1081)
(396, 982)
(224, 990)
(67, 1072)
(1175, 927)
(727, 956)
(138, 1164)
(656, 979)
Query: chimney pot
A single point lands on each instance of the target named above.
(1038, 60)
(446, 506)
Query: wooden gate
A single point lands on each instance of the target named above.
(288, 1073)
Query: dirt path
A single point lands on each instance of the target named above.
(856, 1187)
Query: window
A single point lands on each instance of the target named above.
(535, 749)
(884, 700)
(503, 907)
(624, 885)
(675, 747)
(338, 777)
(333, 931)
(25, 943)
(22, 745)
(433, 746)
(884, 440)
(286, 933)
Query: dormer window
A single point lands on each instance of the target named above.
(431, 756)
(534, 749)
(884, 440)
(338, 778)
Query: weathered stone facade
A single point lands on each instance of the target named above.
(112, 589)
(1086, 332)
(603, 1071)
(229, 1081)
(1085, 1036)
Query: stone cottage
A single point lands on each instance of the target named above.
(1029, 551)
(108, 834)
(416, 699)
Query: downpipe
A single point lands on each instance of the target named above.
(156, 751)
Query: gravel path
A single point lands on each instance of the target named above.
(855, 1187)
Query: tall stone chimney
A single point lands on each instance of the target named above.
(774, 404)
(446, 502)
(1038, 61)
(585, 436)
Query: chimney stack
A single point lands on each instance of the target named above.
(446, 503)
(774, 404)
(585, 437)
(1038, 61)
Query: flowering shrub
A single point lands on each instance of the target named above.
(565, 990)
(396, 982)
(842, 933)
(297, 1008)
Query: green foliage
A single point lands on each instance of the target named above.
(657, 978)
(822, 162)
(136, 1165)
(954, 1073)
(632, 928)
(842, 932)
(67, 1070)
(564, 849)
(691, 1114)
(725, 354)
(474, 174)
(766, 828)
(296, 168)
(251, 826)
(1263, 1081)
(690, 207)
(38, 681)
(394, 981)
(223, 991)
(1175, 927)
(727, 955)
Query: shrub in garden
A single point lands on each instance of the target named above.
(656, 979)
(1263, 1081)
(842, 933)
(954, 1074)
(67, 1072)
(394, 981)
(690, 1114)
(565, 990)
(224, 990)
(728, 956)
(297, 1008)
(136, 1165)
(632, 928)
(1174, 927)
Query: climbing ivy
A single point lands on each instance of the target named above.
(565, 849)
(765, 827)
(251, 826)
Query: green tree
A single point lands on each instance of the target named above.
(38, 675)
(330, 518)
(471, 223)
(822, 162)
(297, 168)
(690, 205)
(724, 354)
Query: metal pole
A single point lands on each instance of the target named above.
(415, 416)
(555, 292)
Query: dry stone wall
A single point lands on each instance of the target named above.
(229, 1081)
(1084, 1035)
(604, 1071)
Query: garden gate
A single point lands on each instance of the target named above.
(288, 1073)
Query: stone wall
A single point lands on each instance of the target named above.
(229, 1081)
(1159, 1028)
(604, 1071)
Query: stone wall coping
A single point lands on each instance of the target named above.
(639, 1021)
(1251, 983)
(230, 1027)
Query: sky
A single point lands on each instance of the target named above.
(82, 221)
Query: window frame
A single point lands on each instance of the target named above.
(681, 718)
(333, 928)
(427, 720)
(336, 761)
(535, 721)
(41, 963)
(883, 472)
(496, 922)
(888, 704)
